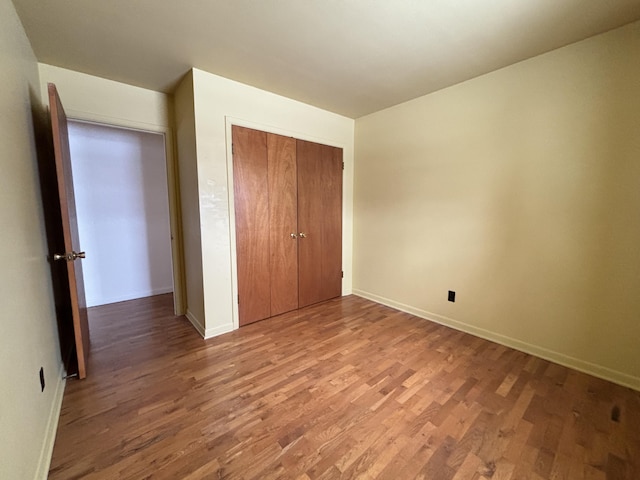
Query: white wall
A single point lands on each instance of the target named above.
(219, 103)
(120, 184)
(29, 340)
(89, 98)
(185, 125)
(520, 190)
(86, 97)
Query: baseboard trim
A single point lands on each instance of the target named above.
(207, 333)
(194, 321)
(46, 453)
(130, 296)
(584, 366)
(214, 332)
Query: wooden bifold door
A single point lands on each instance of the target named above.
(288, 211)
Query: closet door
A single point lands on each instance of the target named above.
(319, 222)
(251, 200)
(283, 223)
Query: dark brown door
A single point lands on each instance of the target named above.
(251, 200)
(73, 253)
(283, 223)
(319, 222)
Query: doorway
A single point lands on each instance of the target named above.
(122, 201)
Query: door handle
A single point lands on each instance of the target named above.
(69, 257)
(302, 235)
(293, 235)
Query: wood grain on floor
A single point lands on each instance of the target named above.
(343, 389)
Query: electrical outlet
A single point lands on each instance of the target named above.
(452, 296)
(42, 379)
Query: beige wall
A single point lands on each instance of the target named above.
(28, 417)
(520, 190)
(86, 97)
(188, 165)
(94, 99)
(219, 103)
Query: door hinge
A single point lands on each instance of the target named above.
(238, 299)
(233, 151)
(343, 165)
(342, 274)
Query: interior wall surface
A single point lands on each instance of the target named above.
(189, 199)
(218, 104)
(120, 184)
(29, 341)
(91, 98)
(518, 190)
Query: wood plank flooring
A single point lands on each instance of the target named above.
(344, 389)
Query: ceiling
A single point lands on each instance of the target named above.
(351, 57)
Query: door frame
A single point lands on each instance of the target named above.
(175, 219)
(230, 122)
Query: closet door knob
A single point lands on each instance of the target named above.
(302, 235)
(293, 235)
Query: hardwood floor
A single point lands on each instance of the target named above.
(344, 389)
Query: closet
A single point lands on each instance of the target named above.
(288, 213)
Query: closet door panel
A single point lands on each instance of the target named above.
(331, 259)
(320, 221)
(283, 222)
(309, 220)
(251, 200)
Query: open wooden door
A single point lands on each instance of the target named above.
(72, 252)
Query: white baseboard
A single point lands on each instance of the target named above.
(584, 366)
(195, 322)
(208, 332)
(128, 296)
(219, 330)
(52, 426)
